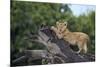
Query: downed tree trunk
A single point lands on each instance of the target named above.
(58, 50)
(64, 47)
(36, 54)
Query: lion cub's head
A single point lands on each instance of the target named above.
(62, 26)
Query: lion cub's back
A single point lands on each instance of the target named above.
(80, 35)
(76, 37)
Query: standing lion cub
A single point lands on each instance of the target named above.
(74, 38)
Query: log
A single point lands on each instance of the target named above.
(57, 50)
(64, 47)
(36, 54)
(57, 47)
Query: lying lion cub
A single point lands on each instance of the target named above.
(74, 38)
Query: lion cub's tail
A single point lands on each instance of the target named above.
(85, 47)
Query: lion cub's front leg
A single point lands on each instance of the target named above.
(58, 34)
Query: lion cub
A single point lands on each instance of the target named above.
(74, 38)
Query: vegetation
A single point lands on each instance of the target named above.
(26, 17)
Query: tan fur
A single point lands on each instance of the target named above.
(74, 38)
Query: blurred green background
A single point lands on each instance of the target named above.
(27, 17)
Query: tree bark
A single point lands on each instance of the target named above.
(57, 50)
